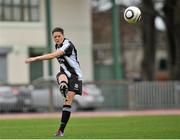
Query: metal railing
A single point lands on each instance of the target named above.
(154, 95)
(119, 95)
(141, 95)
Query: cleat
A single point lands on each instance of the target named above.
(63, 89)
(59, 133)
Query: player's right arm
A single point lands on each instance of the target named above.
(45, 56)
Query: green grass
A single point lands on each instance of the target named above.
(140, 127)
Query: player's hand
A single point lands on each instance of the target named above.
(30, 60)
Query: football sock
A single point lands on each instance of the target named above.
(66, 112)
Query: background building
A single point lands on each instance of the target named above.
(23, 34)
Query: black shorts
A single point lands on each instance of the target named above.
(74, 84)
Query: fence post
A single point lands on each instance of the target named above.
(131, 96)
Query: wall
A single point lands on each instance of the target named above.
(75, 17)
(20, 36)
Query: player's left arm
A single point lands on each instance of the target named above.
(45, 56)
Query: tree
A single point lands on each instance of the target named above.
(148, 39)
(172, 20)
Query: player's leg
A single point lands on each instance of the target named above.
(74, 87)
(68, 97)
(66, 112)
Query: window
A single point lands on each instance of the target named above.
(7, 10)
(163, 64)
(0, 10)
(3, 68)
(36, 69)
(19, 10)
(4, 50)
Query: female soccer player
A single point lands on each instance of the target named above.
(69, 76)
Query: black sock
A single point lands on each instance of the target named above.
(65, 116)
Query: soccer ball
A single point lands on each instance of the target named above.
(132, 14)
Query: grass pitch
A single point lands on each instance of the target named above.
(139, 127)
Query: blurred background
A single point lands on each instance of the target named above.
(125, 66)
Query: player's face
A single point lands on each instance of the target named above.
(58, 37)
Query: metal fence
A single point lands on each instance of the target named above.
(115, 94)
(141, 95)
(154, 95)
(119, 95)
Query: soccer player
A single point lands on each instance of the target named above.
(69, 76)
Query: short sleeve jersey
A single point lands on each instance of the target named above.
(69, 63)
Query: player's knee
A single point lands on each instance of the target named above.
(63, 87)
(67, 101)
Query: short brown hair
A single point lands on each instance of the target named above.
(58, 29)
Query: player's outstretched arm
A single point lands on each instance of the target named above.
(45, 56)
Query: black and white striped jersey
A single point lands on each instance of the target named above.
(69, 63)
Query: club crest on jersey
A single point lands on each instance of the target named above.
(76, 86)
(61, 60)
